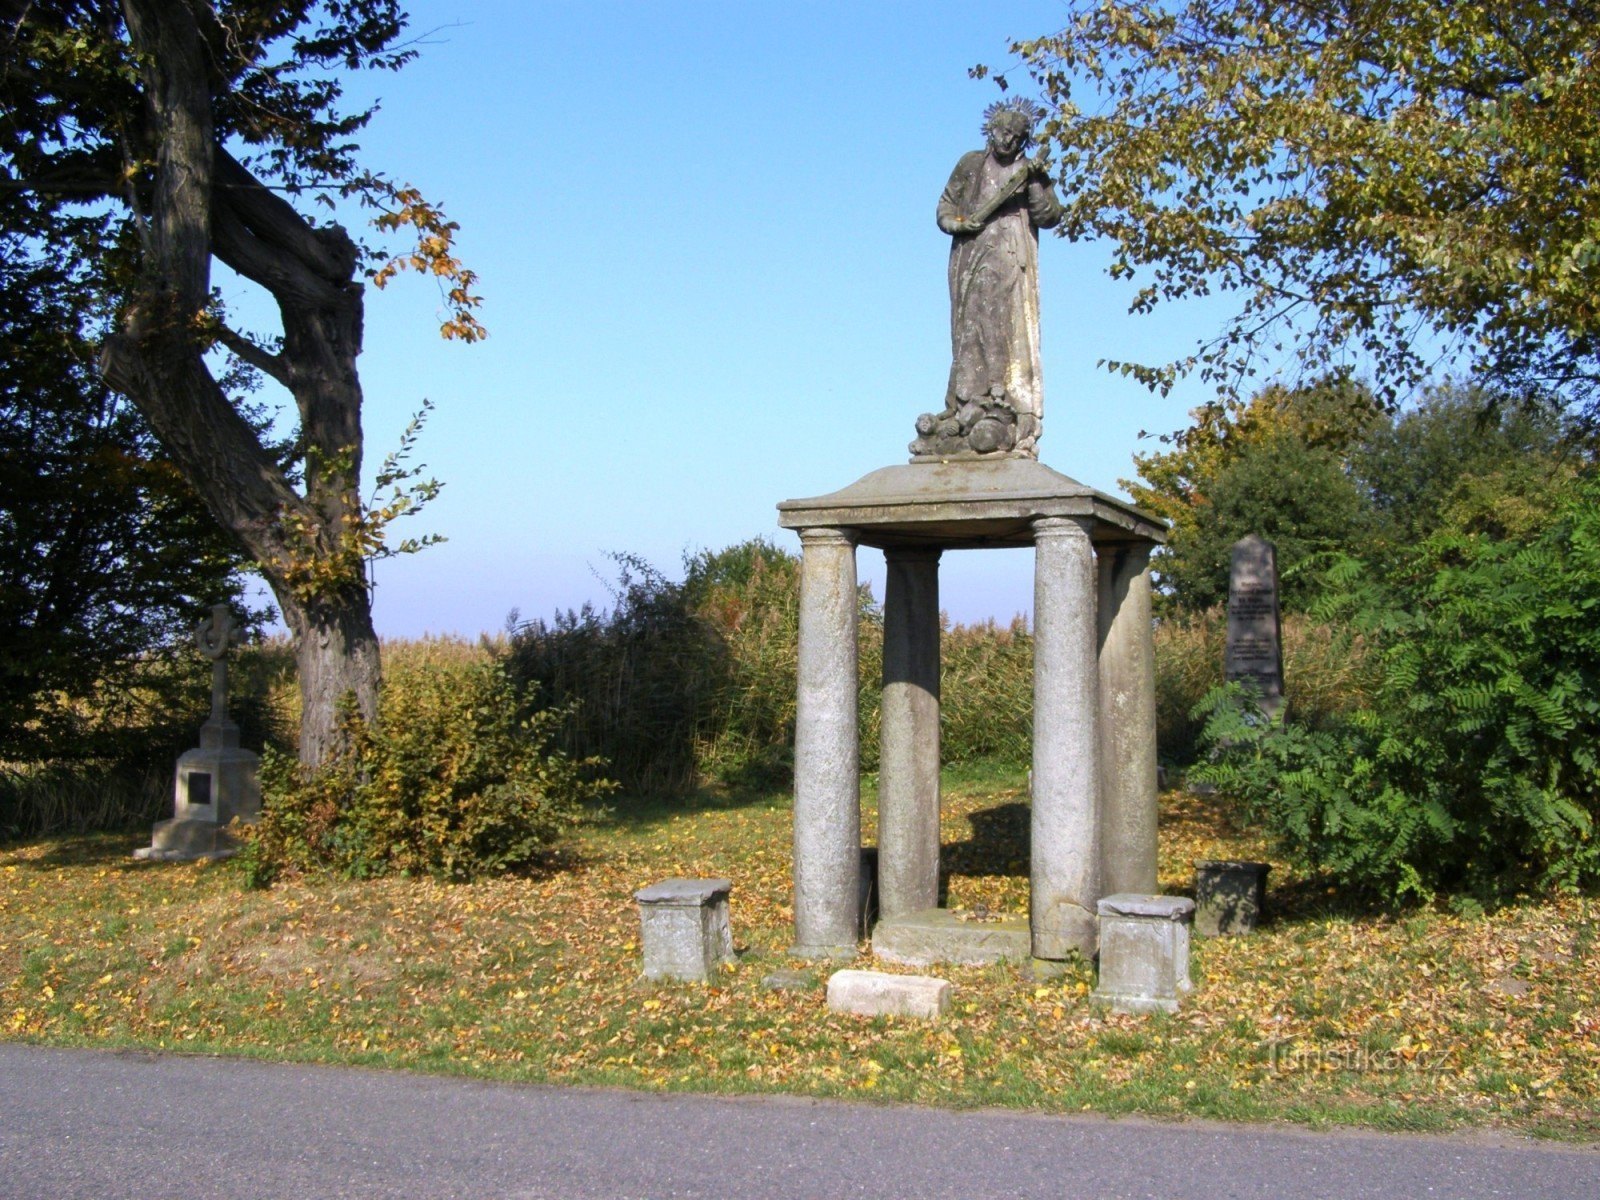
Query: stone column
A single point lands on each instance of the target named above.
(1128, 790)
(827, 782)
(908, 769)
(1066, 741)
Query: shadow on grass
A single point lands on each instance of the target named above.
(998, 845)
(1318, 898)
(641, 811)
(109, 849)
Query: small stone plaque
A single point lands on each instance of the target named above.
(199, 787)
(1255, 646)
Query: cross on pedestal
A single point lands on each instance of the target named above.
(213, 636)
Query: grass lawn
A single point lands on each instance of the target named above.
(1400, 1020)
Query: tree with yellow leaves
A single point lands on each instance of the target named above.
(1401, 180)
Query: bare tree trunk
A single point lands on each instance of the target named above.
(336, 653)
(203, 202)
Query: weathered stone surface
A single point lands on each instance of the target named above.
(786, 979)
(684, 927)
(218, 782)
(1255, 649)
(908, 772)
(875, 994)
(827, 800)
(966, 505)
(1065, 850)
(1129, 777)
(184, 839)
(1144, 952)
(993, 207)
(936, 935)
(1229, 896)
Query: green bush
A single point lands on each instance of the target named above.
(636, 682)
(1325, 670)
(986, 693)
(680, 683)
(1475, 766)
(451, 782)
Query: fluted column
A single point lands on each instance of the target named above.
(1129, 796)
(827, 799)
(1066, 741)
(908, 769)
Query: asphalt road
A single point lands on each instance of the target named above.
(96, 1124)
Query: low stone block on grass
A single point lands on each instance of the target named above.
(934, 935)
(684, 927)
(1144, 952)
(1229, 897)
(876, 994)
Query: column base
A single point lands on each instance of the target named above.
(830, 953)
(1063, 930)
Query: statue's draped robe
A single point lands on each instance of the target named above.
(994, 286)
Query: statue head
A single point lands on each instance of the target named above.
(1008, 126)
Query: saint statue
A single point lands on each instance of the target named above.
(996, 202)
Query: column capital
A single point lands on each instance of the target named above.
(827, 535)
(1134, 557)
(1055, 527)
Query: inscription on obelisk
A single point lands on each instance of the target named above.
(1255, 645)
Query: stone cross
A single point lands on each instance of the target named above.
(1255, 646)
(213, 636)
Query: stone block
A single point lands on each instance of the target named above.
(938, 935)
(1144, 952)
(183, 839)
(875, 994)
(1229, 897)
(684, 928)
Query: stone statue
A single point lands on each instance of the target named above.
(996, 202)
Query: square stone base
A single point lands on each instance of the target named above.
(1144, 952)
(183, 840)
(937, 935)
(685, 929)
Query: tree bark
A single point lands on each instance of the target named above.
(302, 544)
(336, 655)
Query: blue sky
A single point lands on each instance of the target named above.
(712, 281)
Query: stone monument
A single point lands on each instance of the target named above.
(218, 781)
(974, 482)
(996, 202)
(1255, 646)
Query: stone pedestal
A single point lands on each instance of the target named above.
(216, 783)
(1094, 809)
(1229, 897)
(684, 928)
(937, 935)
(1144, 952)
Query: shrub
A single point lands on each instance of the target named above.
(1475, 766)
(636, 684)
(1325, 669)
(679, 683)
(986, 692)
(451, 782)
